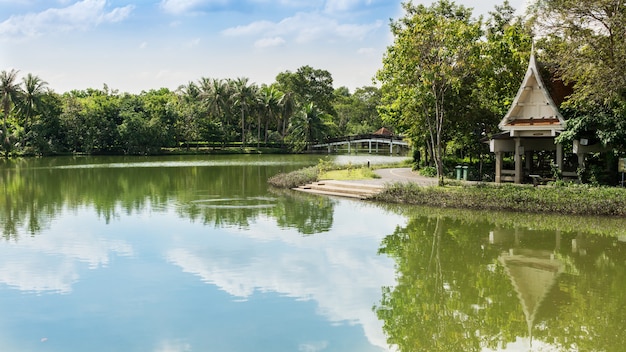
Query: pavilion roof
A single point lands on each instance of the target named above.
(535, 107)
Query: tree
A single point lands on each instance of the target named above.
(270, 98)
(357, 113)
(10, 95)
(504, 60)
(287, 108)
(584, 42)
(308, 125)
(216, 96)
(435, 48)
(310, 85)
(32, 102)
(243, 94)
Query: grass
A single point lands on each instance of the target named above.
(325, 170)
(572, 200)
(362, 173)
(569, 199)
(295, 178)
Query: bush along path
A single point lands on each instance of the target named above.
(568, 200)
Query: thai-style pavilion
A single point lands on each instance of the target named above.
(531, 126)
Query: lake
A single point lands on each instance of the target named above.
(197, 253)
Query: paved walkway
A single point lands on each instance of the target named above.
(405, 175)
(364, 188)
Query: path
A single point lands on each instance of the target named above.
(364, 188)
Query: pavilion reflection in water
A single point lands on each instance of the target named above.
(533, 271)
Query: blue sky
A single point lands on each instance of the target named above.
(140, 45)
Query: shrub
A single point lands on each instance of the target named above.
(428, 171)
(294, 178)
(571, 200)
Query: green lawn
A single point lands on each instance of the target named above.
(348, 174)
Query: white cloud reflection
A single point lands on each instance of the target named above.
(52, 261)
(344, 280)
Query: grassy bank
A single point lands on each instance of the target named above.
(570, 200)
(324, 170)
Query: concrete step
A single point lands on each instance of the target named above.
(351, 185)
(341, 189)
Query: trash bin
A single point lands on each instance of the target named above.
(458, 172)
(465, 172)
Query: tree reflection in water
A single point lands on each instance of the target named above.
(472, 284)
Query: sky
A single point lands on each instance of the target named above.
(134, 45)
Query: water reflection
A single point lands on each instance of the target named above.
(223, 191)
(185, 258)
(472, 284)
(187, 255)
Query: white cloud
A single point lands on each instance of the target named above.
(366, 51)
(340, 5)
(178, 7)
(78, 16)
(313, 346)
(305, 27)
(269, 42)
(192, 43)
(173, 346)
(143, 45)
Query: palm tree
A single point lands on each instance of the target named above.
(32, 102)
(10, 94)
(308, 125)
(287, 106)
(243, 94)
(270, 104)
(189, 92)
(215, 95)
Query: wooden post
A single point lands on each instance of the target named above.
(581, 160)
(518, 160)
(498, 167)
(559, 156)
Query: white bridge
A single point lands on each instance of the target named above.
(372, 140)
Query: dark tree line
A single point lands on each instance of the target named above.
(300, 107)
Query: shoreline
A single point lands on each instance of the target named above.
(406, 187)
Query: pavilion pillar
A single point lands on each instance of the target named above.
(559, 156)
(528, 160)
(581, 160)
(498, 167)
(519, 151)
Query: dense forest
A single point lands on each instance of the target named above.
(444, 83)
(299, 107)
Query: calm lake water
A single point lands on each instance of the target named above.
(196, 253)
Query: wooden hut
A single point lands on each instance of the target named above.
(530, 126)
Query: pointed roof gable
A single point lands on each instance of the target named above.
(533, 111)
(383, 132)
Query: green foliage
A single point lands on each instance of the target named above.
(571, 199)
(294, 178)
(446, 103)
(428, 171)
(584, 44)
(455, 292)
(310, 86)
(307, 126)
(298, 109)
